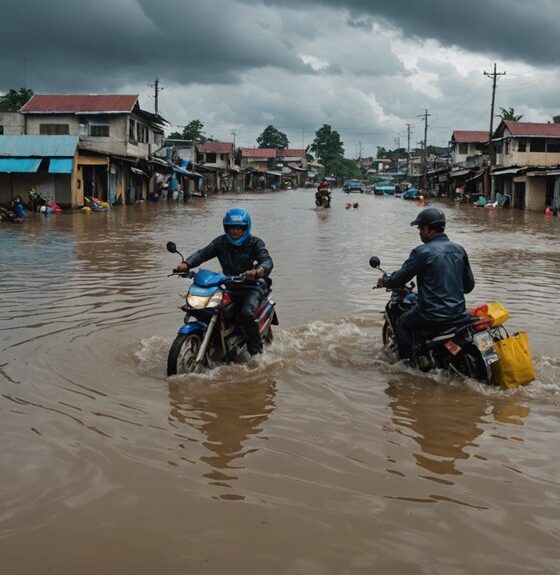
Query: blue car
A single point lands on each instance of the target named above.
(353, 186)
(411, 194)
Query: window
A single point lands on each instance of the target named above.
(99, 130)
(132, 130)
(553, 146)
(522, 146)
(538, 145)
(463, 148)
(83, 129)
(1, 130)
(54, 129)
(141, 133)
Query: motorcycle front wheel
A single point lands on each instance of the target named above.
(182, 354)
(470, 363)
(388, 337)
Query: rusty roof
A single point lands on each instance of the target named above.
(529, 129)
(291, 153)
(258, 152)
(80, 103)
(469, 136)
(215, 147)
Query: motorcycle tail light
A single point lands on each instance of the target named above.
(226, 299)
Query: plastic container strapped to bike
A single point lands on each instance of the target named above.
(495, 311)
(515, 366)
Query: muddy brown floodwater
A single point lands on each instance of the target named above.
(323, 457)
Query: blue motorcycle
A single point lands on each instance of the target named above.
(211, 334)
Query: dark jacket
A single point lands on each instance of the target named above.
(444, 275)
(234, 259)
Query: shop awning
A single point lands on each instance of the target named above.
(271, 173)
(459, 173)
(19, 165)
(61, 165)
(139, 172)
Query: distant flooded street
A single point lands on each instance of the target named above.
(322, 457)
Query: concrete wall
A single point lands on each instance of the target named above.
(528, 159)
(536, 193)
(12, 123)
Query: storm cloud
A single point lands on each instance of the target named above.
(367, 68)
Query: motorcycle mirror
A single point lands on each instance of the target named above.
(171, 247)
(374, 262)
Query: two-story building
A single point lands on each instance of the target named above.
(465, 144)
(116, 140)
(527, 164)
(217, 160)
(258, 165)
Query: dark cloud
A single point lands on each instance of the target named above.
(511, 29)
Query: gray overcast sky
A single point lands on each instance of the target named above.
(366, 67)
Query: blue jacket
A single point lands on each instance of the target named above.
(234, 259)
(443, 274)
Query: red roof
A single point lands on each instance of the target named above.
(532, 129)
(258, 152)
(215, 148)
(291, 153)
(469, 136)
(76, 103)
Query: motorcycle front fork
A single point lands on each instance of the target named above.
(206, 341)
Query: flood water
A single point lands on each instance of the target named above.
(325, 456)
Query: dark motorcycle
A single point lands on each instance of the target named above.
(323, 198)
(211, 334)
(466, 347)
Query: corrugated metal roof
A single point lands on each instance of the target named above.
(292, 153)
(258, 152)
(76, 103)
(469, 136)
(215, 148)
(532, 129)
(61, 165)
(38, 146)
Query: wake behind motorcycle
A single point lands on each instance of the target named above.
(210, 333)
(466, 347)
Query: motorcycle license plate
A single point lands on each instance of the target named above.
(452, 347)
(485, 345)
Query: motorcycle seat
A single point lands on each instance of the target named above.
(436, 334)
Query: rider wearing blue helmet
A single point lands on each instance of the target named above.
(239, 252)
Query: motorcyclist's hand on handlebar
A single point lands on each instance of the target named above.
(254, 273)
(380, 283)
(181, 268)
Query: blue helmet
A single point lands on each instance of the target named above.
(237, 217)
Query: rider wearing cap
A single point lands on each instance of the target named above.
(443, 275)
(239, 252)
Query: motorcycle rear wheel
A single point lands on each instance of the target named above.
(470, 364)
(182, 354)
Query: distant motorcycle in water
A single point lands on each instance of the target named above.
(210, 333)
(466, 348)
(323, 198)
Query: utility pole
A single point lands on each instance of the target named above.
(425, 115)
(303, 138)
(408, 150)
(233, 133)
(157, 90)
(494, 75)
(360, 155)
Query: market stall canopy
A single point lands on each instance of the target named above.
(19, 165)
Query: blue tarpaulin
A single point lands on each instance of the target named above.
(60, 165)
(19, 165)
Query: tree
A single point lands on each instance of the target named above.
(556, 119)
(327, 146)
(13, 100)
(194, 131)
(175, 136)
(272, 138)
(509, 114)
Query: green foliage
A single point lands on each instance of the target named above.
(194, 131)
(391, 154)
(556, 119)
(509, 114)
(13, 100)
(327, 146)
(272, 138)
(175, 136)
